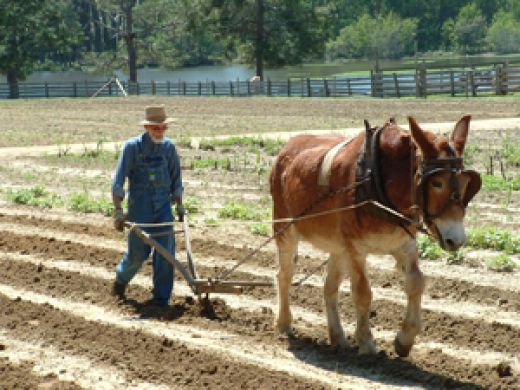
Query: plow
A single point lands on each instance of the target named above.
(197, 284)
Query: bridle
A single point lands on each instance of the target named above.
(421, 171)
(454, 166)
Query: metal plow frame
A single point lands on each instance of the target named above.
(198, 286)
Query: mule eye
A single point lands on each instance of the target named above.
(437, 184)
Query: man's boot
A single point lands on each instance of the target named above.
(118, 289)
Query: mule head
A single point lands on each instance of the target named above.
(443, 188)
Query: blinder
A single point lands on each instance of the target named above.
(454, 166)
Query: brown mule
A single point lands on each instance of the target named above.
(415, 173)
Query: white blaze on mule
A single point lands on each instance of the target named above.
(415, 173)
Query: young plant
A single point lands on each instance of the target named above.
(34, 196)
(82, 202)
(260, 229)
(501, 263)
(428, 249)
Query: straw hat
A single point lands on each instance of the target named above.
(154, 115)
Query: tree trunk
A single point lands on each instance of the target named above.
(259, 50)
(12, 80)
(130, 39)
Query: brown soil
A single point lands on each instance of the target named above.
(160, 360)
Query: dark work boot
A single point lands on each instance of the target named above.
(118, 289)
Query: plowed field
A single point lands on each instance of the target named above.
(61, 329)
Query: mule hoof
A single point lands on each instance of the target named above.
(400, 349)
(368, 348)
(339, 343)
(283, 329)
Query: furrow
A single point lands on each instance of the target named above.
(301, 314)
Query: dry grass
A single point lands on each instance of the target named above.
(64, 121)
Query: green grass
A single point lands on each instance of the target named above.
(269, 146)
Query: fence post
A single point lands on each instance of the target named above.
(289, 87)
(168, 86)
(269, 91)
(498, 79)
(452, 83)
(183, 85)
(213, 88)
(396, 84)
(238, 87)
(302, 87)
(46, 88)
(86, 88)
(230, 88)
(349, 88)
(309, 89)
(472, 83)
(423, 82)
(505, 79)
(248, 88)
(325, 88)
(334, 87)
(75, 89)
(199, 88)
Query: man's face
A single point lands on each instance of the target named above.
(156, 131)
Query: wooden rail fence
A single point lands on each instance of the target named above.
(497, 80)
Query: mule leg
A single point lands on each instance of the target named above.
(362, 298)
(407, 261)
(335, 272)
(287, 244)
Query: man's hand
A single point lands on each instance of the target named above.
(119, 220)
(180, 212)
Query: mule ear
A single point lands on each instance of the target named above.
(427, 148)
(367, 125)
(460, 134)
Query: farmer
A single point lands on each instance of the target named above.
(152, 166)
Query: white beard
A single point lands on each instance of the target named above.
(156, 140)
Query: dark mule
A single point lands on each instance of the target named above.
(416, 173)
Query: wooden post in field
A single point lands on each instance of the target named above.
(248, 88)
(154, 88)
(423, 82)
(349, 88)
(289, 87)
(199, 88)
(230, 88)
(213, 88)
(309, 89)
(269, 87)
(302, 87)
(86, 88)
(75, 89)
(334, 87)
(238, 87)
(396, 84)
(183, 84)
(46, 87)
(168, 88)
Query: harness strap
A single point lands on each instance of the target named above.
(326, 165)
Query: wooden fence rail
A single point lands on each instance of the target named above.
(499, 80)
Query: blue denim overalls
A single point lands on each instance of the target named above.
(149, 202)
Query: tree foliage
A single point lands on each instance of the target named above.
(504, 33)
(33, 30)
(382, 37)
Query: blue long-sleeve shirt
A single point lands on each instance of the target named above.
(128, 157)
